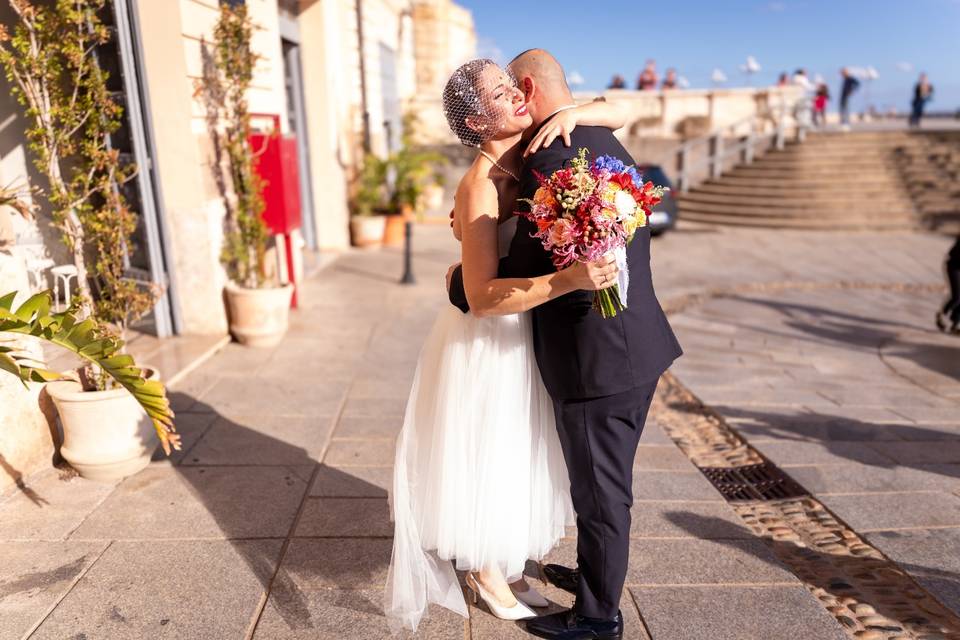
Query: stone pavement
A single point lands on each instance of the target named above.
(273, 521)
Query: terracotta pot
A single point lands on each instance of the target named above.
(259, 317)
(106, 434)
(393, 229)
(367, 231)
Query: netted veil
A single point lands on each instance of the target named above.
(464, 97)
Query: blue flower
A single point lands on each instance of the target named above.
(610, 164)
(635, 176)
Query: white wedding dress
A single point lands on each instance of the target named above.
(479, 477)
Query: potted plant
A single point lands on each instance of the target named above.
(258, 305)
(50, 61)
(410, 171)
(138, 409)
(368, 201)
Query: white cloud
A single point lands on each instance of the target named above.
(906, 67)
(682, 82)
(775, 7)
(487, 48)
(718, 76)
(575, 79)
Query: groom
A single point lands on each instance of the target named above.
(601, 373)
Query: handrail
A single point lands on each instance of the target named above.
(718, 151)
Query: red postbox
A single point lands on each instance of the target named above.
(276, 162)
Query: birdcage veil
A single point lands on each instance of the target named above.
(464, 97)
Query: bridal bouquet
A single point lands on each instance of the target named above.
(589, 209)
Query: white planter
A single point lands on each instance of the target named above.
(106, 434)
(367, 231)
(259, 317)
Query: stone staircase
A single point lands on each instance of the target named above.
(833, 180)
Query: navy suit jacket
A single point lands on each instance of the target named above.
(580, 354)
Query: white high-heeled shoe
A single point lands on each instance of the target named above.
(531, 597)
(519, 611)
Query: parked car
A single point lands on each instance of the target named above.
(664, 215)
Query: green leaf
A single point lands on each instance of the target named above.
(6, 301)
(37, 304)
(9, 364)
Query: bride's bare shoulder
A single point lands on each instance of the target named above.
(477, 194)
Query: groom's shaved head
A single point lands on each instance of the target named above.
(545, 71)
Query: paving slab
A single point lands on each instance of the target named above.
(262, 440)
(286, 396)
(366, 452)
(929, 452)
(787, 454)
(191, 426)
(734, 613)
(199, 502)
(352, 482)
(50, 506)
(345, 518)
(336, 563)
(673, 485)
(369, 426)
(931, 556)
(865, 478)
(339, 614)
(666, 519)
(691, 561)
(867, 512)
(167, 589)
(661, 457)
(35, 575)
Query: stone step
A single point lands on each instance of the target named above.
(779, 222)
(803, 203)
(877, 191)
(773, 211)
(808, 182)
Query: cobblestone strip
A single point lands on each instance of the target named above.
(868, 594)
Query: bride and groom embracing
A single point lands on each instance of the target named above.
(527, 406)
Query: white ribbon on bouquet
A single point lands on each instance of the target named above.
(623, 275)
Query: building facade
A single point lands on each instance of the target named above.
(336, 74)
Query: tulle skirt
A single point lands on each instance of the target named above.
(479, 477)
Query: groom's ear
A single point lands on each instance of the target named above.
(527, 86)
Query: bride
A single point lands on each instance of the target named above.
(479, 478)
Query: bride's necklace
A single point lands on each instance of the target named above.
(499, 166)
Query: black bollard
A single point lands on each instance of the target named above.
(408, 254)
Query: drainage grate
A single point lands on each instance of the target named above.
(761, 481)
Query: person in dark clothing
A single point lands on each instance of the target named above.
(948, 318)
(618, 82)
(847, 88)
(922, 93)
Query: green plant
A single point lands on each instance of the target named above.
(88, 339)
(370, 195)
(397, 182)
(227, 78)
(414, 168)
(50, 61)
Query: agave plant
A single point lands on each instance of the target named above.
(90, 341)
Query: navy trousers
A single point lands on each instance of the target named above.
(599, 437)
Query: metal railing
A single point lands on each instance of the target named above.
(720, 149)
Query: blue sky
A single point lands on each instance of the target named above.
(598, 38)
